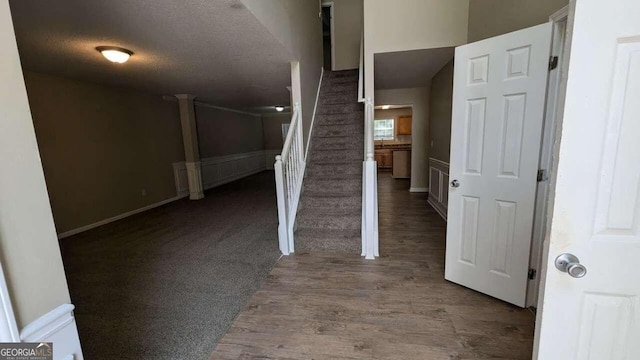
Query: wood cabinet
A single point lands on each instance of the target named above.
(384, 158)
(404, 125)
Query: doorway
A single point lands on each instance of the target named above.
(327, 36)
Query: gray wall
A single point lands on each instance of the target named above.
(347, 23)
(440, 113)
(272, 130)
(223, 132)
(297, 25)
(489, 18)
(100, 146)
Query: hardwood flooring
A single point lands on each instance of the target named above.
(338, 306)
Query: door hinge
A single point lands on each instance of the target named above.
(542, 175)
(532, 274)
(553, 62)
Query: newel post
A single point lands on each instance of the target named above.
(282, 212)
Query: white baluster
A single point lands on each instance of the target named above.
(283, 237)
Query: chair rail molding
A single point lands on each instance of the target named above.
(438, 186)
(58, 327)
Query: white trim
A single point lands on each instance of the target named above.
(313, 118)
(546, 162)
(435, 207)
(436, 161)
(225, 109)
(118, 217)
(418, 190)
(8, 325)
(59, 327)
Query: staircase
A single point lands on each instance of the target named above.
(330, 211)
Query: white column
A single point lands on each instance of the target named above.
(191, 150)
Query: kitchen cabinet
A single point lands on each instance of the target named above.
(384, 158)
(404, 125)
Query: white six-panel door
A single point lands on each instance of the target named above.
(498, 109)
(596, 211)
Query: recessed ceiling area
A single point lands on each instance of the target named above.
(409, 69)
(216, 50)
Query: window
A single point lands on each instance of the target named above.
(383, 129)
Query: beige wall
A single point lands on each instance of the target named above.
(296, 24)
(29, 249)
(488, 18)
(347, 22)
(418, 98)
(440, 113)
(101, 146)
(415, 24)
(272, 130)
(394, 114)
(222, 132)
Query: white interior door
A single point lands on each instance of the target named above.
(498, 110)
(596, 210)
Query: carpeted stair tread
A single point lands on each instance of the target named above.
(342, 241)
(330, 210)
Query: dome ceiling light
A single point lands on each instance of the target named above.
(115, 54)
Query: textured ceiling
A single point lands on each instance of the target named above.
(214, 49)
(409, 69)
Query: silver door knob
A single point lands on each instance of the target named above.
(570, 264)
(455, 183)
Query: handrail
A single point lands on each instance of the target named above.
(289, 170)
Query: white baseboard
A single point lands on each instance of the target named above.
(121, 216)
(438, 208)
(418, 190)
(58, 327)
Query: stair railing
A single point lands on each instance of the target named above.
(369, 170)
(289, 168)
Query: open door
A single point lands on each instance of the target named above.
(590, 303)
(498, 111)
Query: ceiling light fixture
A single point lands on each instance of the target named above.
(386, 107)
(279, 108)
(115, 54)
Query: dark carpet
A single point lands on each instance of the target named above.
(167, 283)
(330, 212)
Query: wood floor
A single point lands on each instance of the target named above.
(335, 306)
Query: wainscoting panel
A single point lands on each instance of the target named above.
(439, 186)
(221, 170)
(58, 327)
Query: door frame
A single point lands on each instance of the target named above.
(554, 102)
(331, 6)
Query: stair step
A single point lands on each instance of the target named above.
(348, 87)
(331, 202)
(340, 108)
(339, 98)
(342, 241)
(336, 156)
(356, 117)
(338, 130)
(338, 142)
(353, 186)
(335, 171)
(337, 222)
